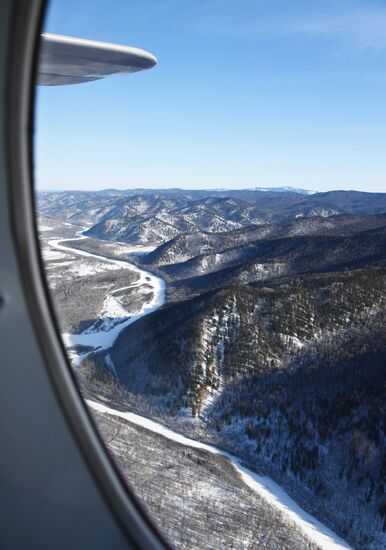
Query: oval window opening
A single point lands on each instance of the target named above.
(212, 220)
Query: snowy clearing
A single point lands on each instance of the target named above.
(49, 254)
(84, 269)
(45, 228)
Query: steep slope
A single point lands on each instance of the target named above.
(267, 259)
(187, 246)
(138, 231)
(275, 320)
(195, 498)
(289, 376)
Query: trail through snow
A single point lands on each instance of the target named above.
(263, 486)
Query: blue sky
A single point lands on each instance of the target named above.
(245, 93)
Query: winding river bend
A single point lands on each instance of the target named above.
(113, 318)
(102, 334)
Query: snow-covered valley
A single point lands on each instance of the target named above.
(270, 345)
(113, 317)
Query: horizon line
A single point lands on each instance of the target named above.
(300, 190)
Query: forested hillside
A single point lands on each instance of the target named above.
(272, 340)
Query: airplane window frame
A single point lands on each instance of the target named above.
(27, 23)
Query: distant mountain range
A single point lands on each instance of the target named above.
(283, 190)
(141, 191)
(141, 217)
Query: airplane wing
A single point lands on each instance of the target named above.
(68, 60)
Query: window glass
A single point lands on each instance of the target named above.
(210, 194)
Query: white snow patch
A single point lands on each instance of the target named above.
(58, 264)
(110, 364)
(45, 228)
(50, 255)
(83, 269)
